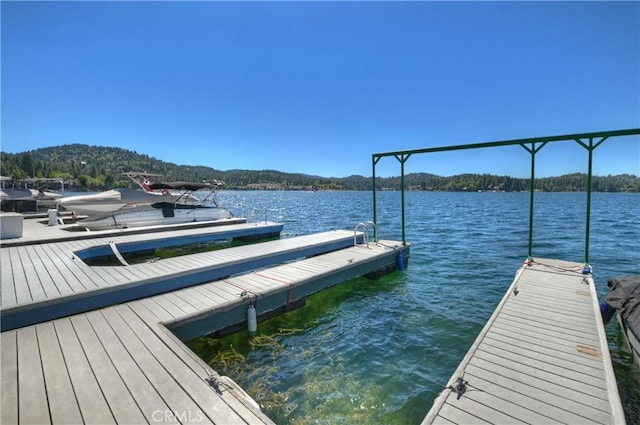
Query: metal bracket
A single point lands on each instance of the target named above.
(460, 387)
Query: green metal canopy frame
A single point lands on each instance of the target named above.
(590, 141)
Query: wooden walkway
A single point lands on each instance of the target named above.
(121, 362)
(47, 281)
(542, 358)
(114, 365)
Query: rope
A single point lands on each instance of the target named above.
(575, 269)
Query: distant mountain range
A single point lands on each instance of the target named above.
(85, 167)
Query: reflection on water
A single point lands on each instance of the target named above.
(153, 255)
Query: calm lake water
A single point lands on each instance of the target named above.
(379, 352)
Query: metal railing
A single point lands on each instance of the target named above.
(256, 214)
(365, 233)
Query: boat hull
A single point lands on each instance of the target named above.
(632, 341)
(624, 297)
(155, 217)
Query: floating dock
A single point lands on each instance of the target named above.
(542, 358)
(103, 344)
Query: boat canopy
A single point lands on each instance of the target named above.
(190, 186)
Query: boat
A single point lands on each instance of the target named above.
(111, 201)
(27, 199)
(624, 299)
(27, 194)
(167, 210)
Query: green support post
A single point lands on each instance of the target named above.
(590, 148)
(532, 188)
(402, 158)
(374, 161)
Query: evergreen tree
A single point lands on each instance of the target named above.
(27, 164)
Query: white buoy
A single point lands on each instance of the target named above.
(252, 322)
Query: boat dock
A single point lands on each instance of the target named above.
(543, 357)
(103, 344)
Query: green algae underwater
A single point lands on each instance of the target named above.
(304, 367)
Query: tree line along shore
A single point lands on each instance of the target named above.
(93, 168)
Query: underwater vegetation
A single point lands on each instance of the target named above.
(299, 367)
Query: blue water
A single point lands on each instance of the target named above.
(379, 352)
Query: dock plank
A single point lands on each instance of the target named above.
(569, 341)
(207, 296)
(535, 325)
(263, 281)
(520, 366)
(144, 348)
(216, 292)
(8, 294)
(232, 395)
(559, 386)
(552, 408)
(461, 415)
(119, 399)
(208, 403)
(556, 357)
(163, 309)
(9, 381)
(79, 276)
(193, 299)
(525, 310)
(571, 310)
(540, 390)
(62, 400)
(42, 268)
(58, 279)
(90, 398)
(255, 283)
(36, 288)
(144, 377)
(180, 303)
(33, 406)
(569, 352)
(22, 290)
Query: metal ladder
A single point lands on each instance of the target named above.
(365, 231)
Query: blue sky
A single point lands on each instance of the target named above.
(317, 87)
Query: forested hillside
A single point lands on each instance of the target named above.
(85, 167)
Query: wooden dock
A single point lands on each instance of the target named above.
(542, 358)
(37, 231)
(47, 281)
(103, 344)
